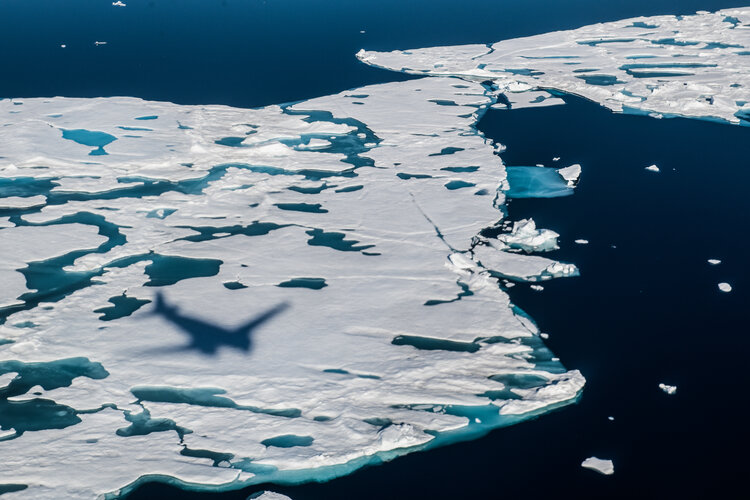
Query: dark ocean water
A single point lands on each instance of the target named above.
(646, 308)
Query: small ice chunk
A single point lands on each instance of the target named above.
(582, 241)
(603, 466)
(525, 236)
(362, 31)
(611, 418)
(97, 43)
(714, 262)
(652, 168)
(669, 389)
(538, 288)
(725, 287)
(570, 174)
(556, 158)
(63, 46)
(268, 495)
(118, 3)
(544, 335)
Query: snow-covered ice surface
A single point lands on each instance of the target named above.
(141, 241)
(603, 466)
(695, 66)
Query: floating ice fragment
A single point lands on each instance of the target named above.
(581, 241)
(669, 389)
(610, 418)
(268, 495)
(652, 168)
(537, 288)
(570, 174)
(725, 287)
(118, 3)
(556, 158)
(97, 43)
(525, 236)
(63, 46)
(714, 262)
(602, 466)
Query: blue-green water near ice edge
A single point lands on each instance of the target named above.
(645, 308)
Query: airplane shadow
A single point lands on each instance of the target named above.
(207, 337)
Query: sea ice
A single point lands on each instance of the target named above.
(714, 262)
(695, 66)
(602, 466)
(581, 241)
(130, 265)
(725, 287)
(652, 168)
(669, 389)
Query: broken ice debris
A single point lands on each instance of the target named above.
(669, 389)
(525, 236)
(570, 174)
(600, 465)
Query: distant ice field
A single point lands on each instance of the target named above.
(220, 296)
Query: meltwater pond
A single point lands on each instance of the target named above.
(645, 310)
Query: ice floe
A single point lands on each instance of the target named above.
(581, 241)
(653, 168)
(600, 465)
(669, 389)
(714, 262)
(725, 287)
(223, 296)
(696, 66)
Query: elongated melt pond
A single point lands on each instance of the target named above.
(342, 239)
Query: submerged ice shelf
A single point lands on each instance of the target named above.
(222, 296)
